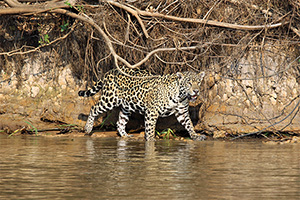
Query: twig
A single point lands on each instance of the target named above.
(115, 41)
(136, 14)
(210, 10)
(296, 31)
(176, 63)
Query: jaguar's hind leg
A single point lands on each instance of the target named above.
(121, 124)
(150, 124)
(89, 124)
(96, 110)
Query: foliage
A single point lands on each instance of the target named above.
(105, 120)
(166, 134)
(64, 26)
(44, 39)
(68, 4)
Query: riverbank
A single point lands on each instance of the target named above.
(252, 75)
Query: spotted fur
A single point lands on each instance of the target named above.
(154, 97)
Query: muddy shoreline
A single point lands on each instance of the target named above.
(72, 132)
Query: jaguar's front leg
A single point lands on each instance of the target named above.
(151, 117)
(183, 118)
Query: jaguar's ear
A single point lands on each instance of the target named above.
(180, 75)
(201, 74)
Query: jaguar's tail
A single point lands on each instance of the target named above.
(90, 92)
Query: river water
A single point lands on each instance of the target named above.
(110, 168)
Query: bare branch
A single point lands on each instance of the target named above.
(12, 3)
(89, 20)
(31, 9)
(200, 21)
(26, 9)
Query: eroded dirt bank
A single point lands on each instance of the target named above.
(224, 109)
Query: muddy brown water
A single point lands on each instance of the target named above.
(110, 168)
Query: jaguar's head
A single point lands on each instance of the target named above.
(190, 84)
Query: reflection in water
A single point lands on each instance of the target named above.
(97, 168)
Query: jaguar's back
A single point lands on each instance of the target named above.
(114, 76)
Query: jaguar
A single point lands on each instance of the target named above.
(137, 90)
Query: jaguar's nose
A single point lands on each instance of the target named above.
(196, 91)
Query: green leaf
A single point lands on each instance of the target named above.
(46, 38)
(68, 4)
(14, 132)
(33, 128)
(64, 27)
